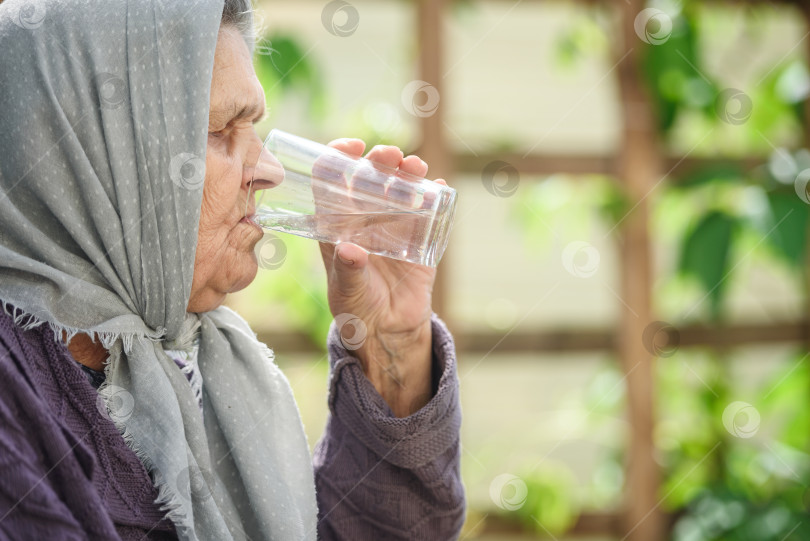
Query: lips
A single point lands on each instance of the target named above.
(248, 212)
(248, 220)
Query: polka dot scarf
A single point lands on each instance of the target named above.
(103, 123)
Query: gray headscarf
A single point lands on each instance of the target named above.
(103, 122)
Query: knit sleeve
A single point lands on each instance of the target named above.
(45, 486)
(65, 471)
(382, 477)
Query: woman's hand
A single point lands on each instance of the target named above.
(391, 298)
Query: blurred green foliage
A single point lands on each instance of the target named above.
(719, 484)
(673, 76)
(284, 67)
(713, 478)
(727, 487)
(551, 507)
(721, 487)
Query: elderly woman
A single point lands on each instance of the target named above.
(132, 404)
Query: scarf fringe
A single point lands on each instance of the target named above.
(21, 318)
(64, 333)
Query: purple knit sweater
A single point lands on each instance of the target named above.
(66, 473)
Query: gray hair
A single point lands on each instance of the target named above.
(238, 14)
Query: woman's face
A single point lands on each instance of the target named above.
(224, 261)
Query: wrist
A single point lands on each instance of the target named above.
(399, 366)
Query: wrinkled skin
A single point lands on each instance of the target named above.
(392, 298)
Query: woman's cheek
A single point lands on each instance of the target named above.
(215, 154)
(220, 166)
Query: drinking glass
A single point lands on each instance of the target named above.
(323, 194)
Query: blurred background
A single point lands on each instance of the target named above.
(626, 279)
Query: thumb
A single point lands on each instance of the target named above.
(349, 267)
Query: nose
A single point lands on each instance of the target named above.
(266, 172)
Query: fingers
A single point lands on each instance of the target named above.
(385, 155)
(410, 168)
(328, 169)
(370, 181)
(352, 147)
(391, 156)
(414, 165)
(402, 192)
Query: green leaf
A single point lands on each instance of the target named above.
(674, 74)
(788, 226)
(705, 255)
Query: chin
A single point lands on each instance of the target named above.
(247, 275)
